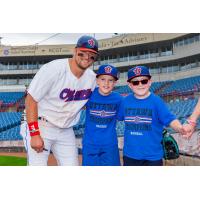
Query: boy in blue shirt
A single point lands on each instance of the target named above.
(145, 114)
(100, 144)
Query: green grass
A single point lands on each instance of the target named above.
(12, 161)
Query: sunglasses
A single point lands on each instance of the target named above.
(143, 82)
(93, 58)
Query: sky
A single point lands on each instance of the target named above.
(18, 39)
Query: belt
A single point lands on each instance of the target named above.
(42, 119)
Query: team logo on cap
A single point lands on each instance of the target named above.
(137, 71)
(91, 42)
(108, 69)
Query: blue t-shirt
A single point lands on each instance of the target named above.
(101, 116)
(144, 122)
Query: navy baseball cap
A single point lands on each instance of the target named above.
(108, 70)
(138, 71)
(87, 43)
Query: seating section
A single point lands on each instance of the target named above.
(9, 120)
(183, 86)
(11, 134)
(10, 126)
(11, 97)
(156, 86)
(182, 109)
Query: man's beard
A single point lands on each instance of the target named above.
(81, 67)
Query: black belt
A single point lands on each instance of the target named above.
(42, 119)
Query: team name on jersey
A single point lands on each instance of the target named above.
(73, 95)
(105, 107)
(138, 112)
(138, 119)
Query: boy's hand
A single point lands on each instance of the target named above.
(188, 130)
(182, 131)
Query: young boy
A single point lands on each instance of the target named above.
(100, 144)
(145, 114)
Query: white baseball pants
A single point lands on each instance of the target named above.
(60, 141)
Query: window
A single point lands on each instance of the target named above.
(11, 81)
(191, 40)
(155, 70)
(123, 57)
(166, 51)
(196, 38)
(181, 42)
(164, 69)
(144, 55)
(184, 67)
(175, 68)
(153, 53)
(133, 56)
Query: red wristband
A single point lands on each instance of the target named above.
(33, 128)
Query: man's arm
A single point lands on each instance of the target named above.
(196, 113)
(191, 122)
(37, 142)
(31, 109)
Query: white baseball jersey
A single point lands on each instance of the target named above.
(60, 94)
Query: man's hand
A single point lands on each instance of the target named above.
(37, 143)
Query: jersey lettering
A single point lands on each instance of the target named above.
(72, 95)
(138, 119)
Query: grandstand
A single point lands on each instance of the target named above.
(173, 59)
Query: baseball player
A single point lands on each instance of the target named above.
(55, 97)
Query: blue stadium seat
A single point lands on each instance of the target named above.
(9, 120)
(11, 97)
(12, 134)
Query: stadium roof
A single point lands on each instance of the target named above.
(20, 39)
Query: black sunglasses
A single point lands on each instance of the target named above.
(93, 58)
(144, 82)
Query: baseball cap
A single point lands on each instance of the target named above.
(87, 43)
(138, 71)
(108, 70)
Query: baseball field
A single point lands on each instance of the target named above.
(12, 161)
(19, 159)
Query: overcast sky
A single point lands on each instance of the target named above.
(46, 38)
